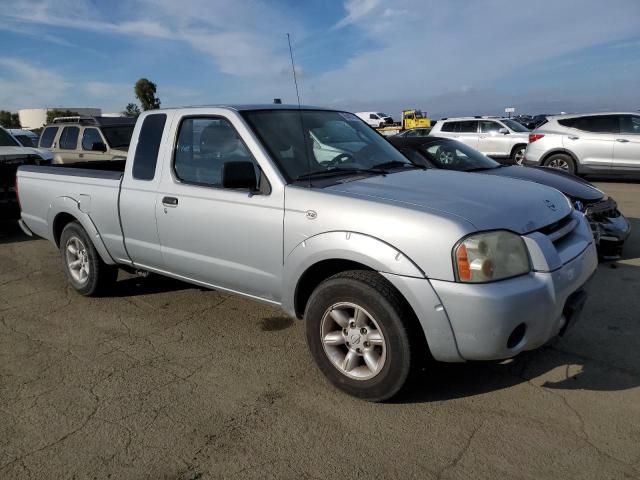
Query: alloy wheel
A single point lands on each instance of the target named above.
(77, 259)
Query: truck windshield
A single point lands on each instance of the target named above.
(305, 143)
(7, 140)
(118, 137)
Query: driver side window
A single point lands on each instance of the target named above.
(204, 145)
(489, 127)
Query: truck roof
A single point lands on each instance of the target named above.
(256, 106)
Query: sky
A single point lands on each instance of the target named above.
(446, 57)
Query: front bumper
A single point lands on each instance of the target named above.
(498, 320)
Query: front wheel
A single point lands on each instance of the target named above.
(82, 265)
(358, 331)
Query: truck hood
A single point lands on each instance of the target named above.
(572, 186)
(485, 201)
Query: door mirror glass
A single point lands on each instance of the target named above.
(98, 147)
(239, 175)
(503, 131)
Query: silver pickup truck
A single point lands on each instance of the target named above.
(311, 210)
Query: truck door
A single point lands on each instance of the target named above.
(139, 192)
(491, 141)
(226, 238)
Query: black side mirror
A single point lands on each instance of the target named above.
(98, 147)
(240, 175)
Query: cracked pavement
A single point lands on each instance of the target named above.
(165, 380)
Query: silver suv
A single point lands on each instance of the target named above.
(500, 138)
(587, 143)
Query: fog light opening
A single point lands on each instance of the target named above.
(516, 336)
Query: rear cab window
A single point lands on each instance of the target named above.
(146, 157)
(48, 135)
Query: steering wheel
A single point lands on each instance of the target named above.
(446, 157)
(343, 157)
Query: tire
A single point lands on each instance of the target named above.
(561, 161)
(91, 276)
(384, 330)
(517, 156)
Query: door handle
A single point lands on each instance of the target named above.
(170, 201)
(622, 140)
(573, 137)
(81, 155)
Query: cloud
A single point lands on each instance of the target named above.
(357, 10)
(23, 84)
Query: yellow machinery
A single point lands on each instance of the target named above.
(414, 119)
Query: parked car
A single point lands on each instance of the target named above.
(375, 119)
(500, 138)
(413, 133)
(85, 139)
(12, 155)
(387, 262)
(610, 228)
(26, 137)
(595, 143)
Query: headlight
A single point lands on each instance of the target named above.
(490, 256)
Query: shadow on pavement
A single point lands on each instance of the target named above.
(135, 285)
(10, 232)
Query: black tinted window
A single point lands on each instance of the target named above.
(89, 137)
(204, 146)
(7, 140)
(468, 126)
(630, 124)
(449, 126)
(69, 138)
(146, 158)
(46, 140)
(597, 123)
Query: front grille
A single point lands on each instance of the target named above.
(559, 229)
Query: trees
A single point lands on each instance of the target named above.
(9, 120)
(132, 110)
(145, 91)
(51, 114)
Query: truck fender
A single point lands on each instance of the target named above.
(341, 245)
(70, 206)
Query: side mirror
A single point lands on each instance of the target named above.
(240, 175)
(503, 131)
(98, 147)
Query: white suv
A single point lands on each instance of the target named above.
(500, 138)
(588, 143)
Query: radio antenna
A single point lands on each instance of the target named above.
(293, 67)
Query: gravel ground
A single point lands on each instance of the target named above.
(164, 380)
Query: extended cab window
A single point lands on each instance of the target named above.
(146, 158)
(46, 140)
(204, 145)
(69, 138)
(90, 137)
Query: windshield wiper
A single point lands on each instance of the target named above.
(338, 171)
(398, 163)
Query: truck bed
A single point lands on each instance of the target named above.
(87, 190)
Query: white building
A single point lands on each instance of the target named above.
(31, 118)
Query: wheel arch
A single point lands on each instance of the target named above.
(516, 147)
(324, 255)
(65, 210)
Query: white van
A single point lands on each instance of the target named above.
(375, 119)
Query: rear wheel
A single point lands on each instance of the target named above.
(561, 161)
(82, 265)
(358, 331)
(518, 155)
